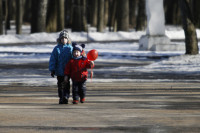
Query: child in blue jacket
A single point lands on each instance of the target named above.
(60, 56)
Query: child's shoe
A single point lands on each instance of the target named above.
(82, 100)
(65, 101)
(75, 102)
(60, 101)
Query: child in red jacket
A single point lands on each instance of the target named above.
(76, 69)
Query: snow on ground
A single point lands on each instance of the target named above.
(108, 52)
(173, 32)
(176, 64)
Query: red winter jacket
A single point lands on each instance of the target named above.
(76, 69)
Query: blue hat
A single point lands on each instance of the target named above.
(78, 47)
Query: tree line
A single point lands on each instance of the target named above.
(78, 15)
(55, 15)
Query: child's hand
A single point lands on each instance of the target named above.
(52, 74)
(92, 63)
(66, 79)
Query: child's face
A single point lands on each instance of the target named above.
(64, 40)
(76, 53)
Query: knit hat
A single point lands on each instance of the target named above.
(64, 33)
(78, 47)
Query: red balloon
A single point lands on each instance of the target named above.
(92, 55)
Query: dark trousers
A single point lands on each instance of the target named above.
(78, 90)
(63, 88)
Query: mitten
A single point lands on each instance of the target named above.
(52, 74)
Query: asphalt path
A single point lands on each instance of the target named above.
(140, 107)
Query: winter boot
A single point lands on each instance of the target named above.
(65, 101)
(82, 100)
(60, 101)
(75, 102)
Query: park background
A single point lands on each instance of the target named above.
(30, 29)
(132, 90)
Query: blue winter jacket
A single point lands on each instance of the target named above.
(60, 56)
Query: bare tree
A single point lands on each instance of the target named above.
(60, 15)
(38, 22)
(196, 12)
(132, 12)
(93, 12)
(79, 16)
(51, 22)
(123, 15)
(19, 17)
(141, 17)
(112, 15)
(27, 11)
(84, 15)
(172, 12)
(1, 18)
(169, 10)
(9, 14)
(68, 13)
(100, 22)
(191, 41)
(106, 12)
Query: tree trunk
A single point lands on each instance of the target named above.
(60, 15)
(84, 16)
(38, 22)
(77, 24)
(112, 15)
(191, 41)
(100, 22)
(42, 11)
(19, 17)
(33, 15)
(1, 18)
(68, 13)
(106, 12)
(196, 12)
(177, 15)
(141, 17)
(132, 10)
(123, 15)
(13, 10)
(172, 12)
(93, 12)
(9, 4)
(169, 10)
(79, 16)
(51, 23)
(27, 11)
(5, 14)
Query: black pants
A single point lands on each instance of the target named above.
(78, 90)
(63, 88)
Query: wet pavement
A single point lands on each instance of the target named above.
(140, 107)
